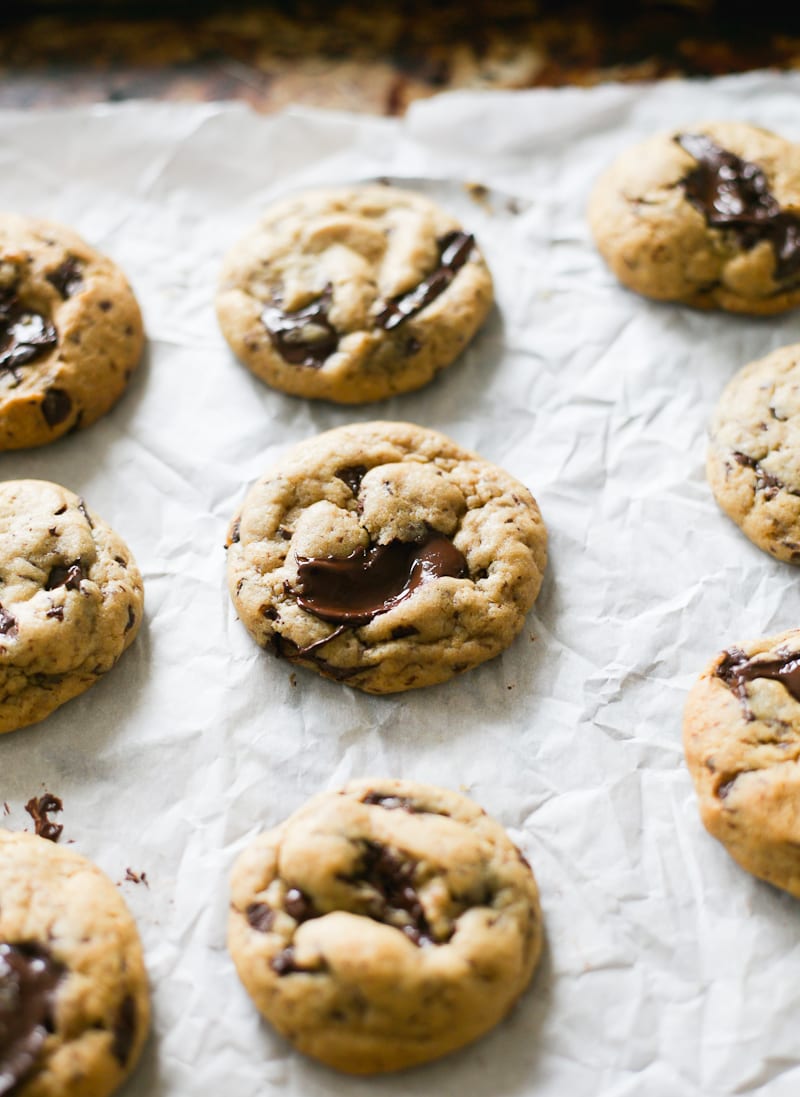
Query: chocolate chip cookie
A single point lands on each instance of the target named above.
(70, 332)
(74, 1003)
(753, 461)
(385, 556)
(384, 925)
(708, 215)
(742, 740)
(353, 294)
(71, 599)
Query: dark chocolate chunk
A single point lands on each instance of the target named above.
(390, 803)
(352, 475)
(354, 589)
(56, 406)
(734, 194)
(454, 250)
(39, 810)
(25, 335)
(124, 1032)
(234, 537)
(765, 481)
(736, 669)
(131, 619)
(391, 877)
(284, 963)
(8, 623)
(69, 576)
(260, 916)
(68, 277)
(29, 977)
(305, 337)
(298, 905)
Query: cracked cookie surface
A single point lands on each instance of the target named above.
(71, 599)
(353, 294)
(753, 463)
(74, 1002)
(384, 925)
(708, 216)
(70, 332)
(741, 736)
(385, 556)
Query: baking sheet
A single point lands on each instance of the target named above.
(667, 969)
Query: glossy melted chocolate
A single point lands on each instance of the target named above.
(732, 193)
(353, 590)
(305, 337)
(28, 980)
(736, 669)
(24, 335)
(454, 250)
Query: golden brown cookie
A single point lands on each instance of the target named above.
(741, 735)
(353, 294)
(70, 332)
(708, 215)
(71, 599)
(74, 1003)
(384, 925)
(385, 556)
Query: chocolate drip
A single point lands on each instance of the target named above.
(124, 1031)
(765, 481)
(392, 878)
(352, 475)
(454, 250)
(355, 589)
(305, 337)
(28, 979)
(68, 277)
(736, 669)
(734, 194)
(39, 810)
(25, 335)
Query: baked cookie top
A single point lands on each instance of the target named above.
(353, 294)
(384, 925)
(708, 215)
(74, 1003)
(385, 556)
(753, 462)
(742, 742)
(70, 332)
(71, 599)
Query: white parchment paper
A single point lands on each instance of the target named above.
(667, 969)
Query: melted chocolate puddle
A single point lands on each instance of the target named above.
(353, 590)
(732, 193)
(454, 250)
(28, 980)
(305, 337)
(736, 670)
(24, 335)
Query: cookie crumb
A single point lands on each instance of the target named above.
(136, 877)
(479, 193)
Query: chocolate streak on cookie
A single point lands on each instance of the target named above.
(353, 590)
(736, 669)
(25, 335)
(305, 337)
(734, 194)
(28, 979)
(454, 250)
(39, 811)
(124, 1031)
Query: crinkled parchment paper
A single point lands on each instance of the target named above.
(667, 971)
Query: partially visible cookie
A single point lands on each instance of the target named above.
(385, 556)
(74, 1002)
(753, 462)
(384, 925)
(70, 332)
(741, 735)
(708, 215)
(71, 599)
(353, 294)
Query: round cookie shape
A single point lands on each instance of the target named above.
(71, 599)
(385, 556)
(70, 332)
(753, 463)
(384, 925)
(74, 1001)
(707, 215)
(741, 735)
(353, 294)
